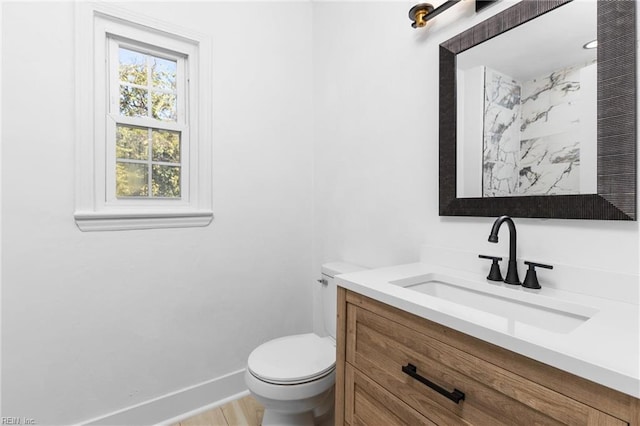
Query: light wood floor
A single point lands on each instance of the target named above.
(242, 412)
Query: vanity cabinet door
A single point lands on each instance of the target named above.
(379, 348)
(369, 404)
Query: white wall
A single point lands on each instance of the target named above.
(470, 131)
(589, 129)
(95, 322)
(376, 149)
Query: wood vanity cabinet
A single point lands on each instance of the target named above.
(375, 342)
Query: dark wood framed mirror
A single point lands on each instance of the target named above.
(614, 195)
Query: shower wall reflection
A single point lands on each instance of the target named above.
(535, 132)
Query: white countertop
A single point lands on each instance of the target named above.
(604, 349)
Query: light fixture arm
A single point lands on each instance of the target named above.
(423, 12)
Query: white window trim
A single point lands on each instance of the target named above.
(93, 210)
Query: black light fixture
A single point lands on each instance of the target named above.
(481, 4)
(423, 12)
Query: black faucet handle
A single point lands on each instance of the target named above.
(535, 264)
(494, 273)
(531, 280)
(484, 256)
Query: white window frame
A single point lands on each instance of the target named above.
(100, 29)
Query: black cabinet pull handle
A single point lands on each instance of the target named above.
(455, 396)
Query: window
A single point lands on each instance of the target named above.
(144, 149)
(148, 131)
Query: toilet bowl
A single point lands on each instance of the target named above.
(293, 377)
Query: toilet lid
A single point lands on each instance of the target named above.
(293, 359)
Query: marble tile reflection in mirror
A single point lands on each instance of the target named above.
(527, 120)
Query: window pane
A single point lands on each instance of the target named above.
(132, 180)
(132, 143)
(163, 73)
(166, 146)
(132, 67)
(133, 101)
(163, 106)
(166, 181)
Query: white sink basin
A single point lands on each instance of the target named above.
(501, 307)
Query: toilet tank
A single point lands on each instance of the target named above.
(329, 295)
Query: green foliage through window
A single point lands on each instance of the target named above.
(133, 159)
(148, 159)
(147, 81)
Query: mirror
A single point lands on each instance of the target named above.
(533, 126)
(526, 116)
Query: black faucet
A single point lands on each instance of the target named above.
(512, 270)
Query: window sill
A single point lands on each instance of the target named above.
(118, 221)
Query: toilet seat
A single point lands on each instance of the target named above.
(293, 360)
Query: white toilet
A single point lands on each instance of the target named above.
(293, 376)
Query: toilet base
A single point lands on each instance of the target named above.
(275, 418)
(304, 404)
(321, 415)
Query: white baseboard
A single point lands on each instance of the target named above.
(178, 405)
